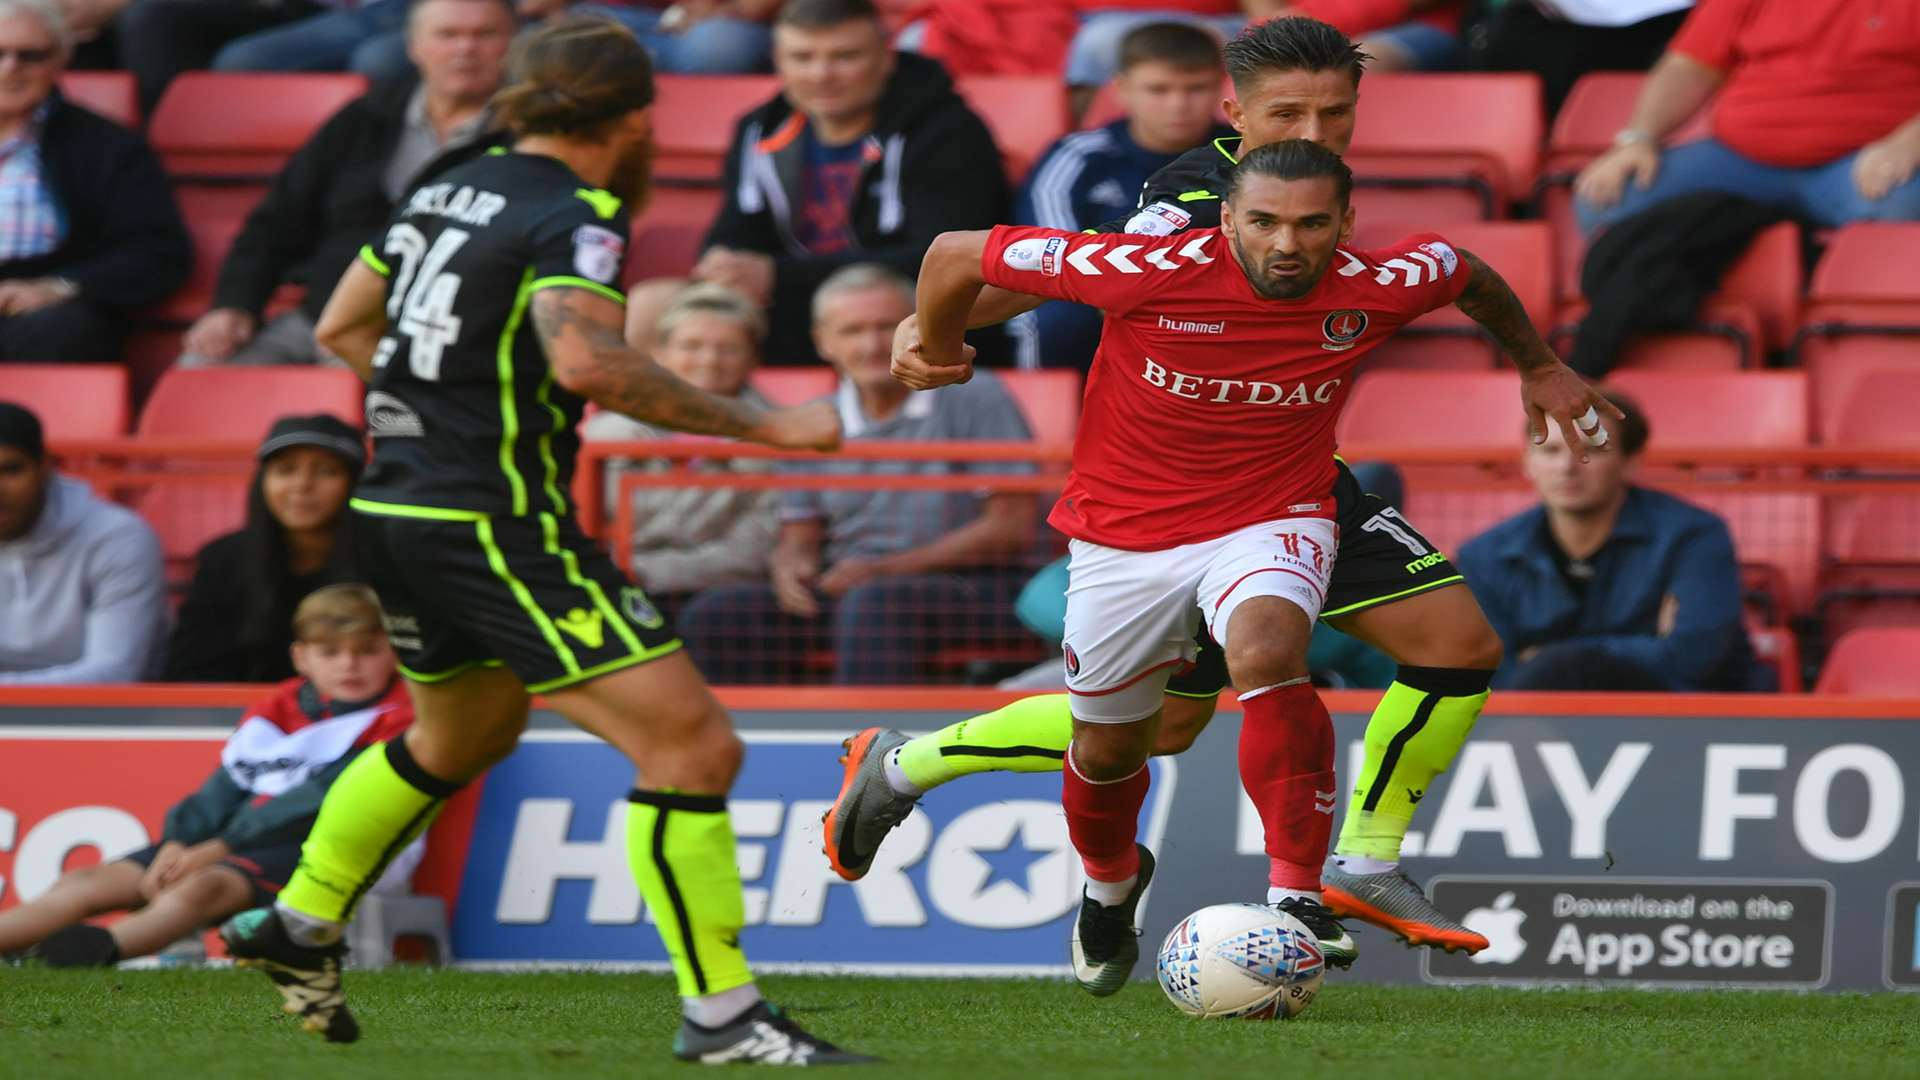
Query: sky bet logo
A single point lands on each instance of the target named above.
(980, 878)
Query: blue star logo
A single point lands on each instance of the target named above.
(1012, 861)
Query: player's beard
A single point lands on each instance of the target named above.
(633, 177)
(1257, 276)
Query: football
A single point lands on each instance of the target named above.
(1245, 961)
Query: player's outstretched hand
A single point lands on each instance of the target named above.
(1555, 393)
(813, 426)
(912, 365)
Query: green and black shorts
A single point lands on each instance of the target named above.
(532, 593)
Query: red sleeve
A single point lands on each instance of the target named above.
(1108, 271)
(1710, 32)
(1420, 273)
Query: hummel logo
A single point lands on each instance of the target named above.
(586, 626)
(1323, 802)
(1414, 795)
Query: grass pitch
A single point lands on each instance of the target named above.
(427, 1024)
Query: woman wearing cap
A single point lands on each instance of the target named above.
(234, 625)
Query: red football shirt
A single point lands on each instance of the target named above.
(1806, 83)
(1209, 407)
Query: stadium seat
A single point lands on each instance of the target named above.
(239, 404)
(1877, 411)
(1835, 365)
(1415, 410)
(73, 401)
(1478, 133)
(795, 385)
(693, 122)
(1868, 278)
(1873, 660)
(1777, 537)
(1693, 410)
(1522, 252)
(214, 216)
(1025, 113)
(113, 94)
(667, 236)
(243, 125)
(1451, 515)
(1050, 400)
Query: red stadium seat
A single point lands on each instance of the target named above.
(1025, 113)
(1878, 411)
(668, 235)
(214, 216)
(1693, 410)
(795, 385)
(694, 118)
(239, 404)
(243, 125)
(1777, 534)
(1470, 132)
(73, 401)
(1875, 530)
(1835, 365)
(1433, 409)
(1050, 400)
(1768, 278)
(1727, 336)
(1870, 263)
(1873, 660)
(112, 94)
(1451, 516)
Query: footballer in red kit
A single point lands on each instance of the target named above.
(1234, 350)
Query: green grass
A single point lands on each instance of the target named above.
(425, 1024)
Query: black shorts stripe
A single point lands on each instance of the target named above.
(674, 898)
(1391, 759)
(1002, 752)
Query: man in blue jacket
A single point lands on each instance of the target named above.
(1610, 586)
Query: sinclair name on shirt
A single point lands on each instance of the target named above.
(462, 203)
(1237, 391)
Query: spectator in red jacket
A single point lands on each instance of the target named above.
(233, 843)
(1816, 110)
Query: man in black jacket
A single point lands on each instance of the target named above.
(338, 190)
(866, 156)
(87, 222)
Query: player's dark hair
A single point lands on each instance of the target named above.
(574, 77)
(1295, 43)
(1293, 159)
(1179, 45)
(826, 14)
(1634, 430)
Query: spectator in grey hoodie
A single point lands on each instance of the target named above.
(83, 592)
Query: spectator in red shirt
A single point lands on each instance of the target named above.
(1816, 110)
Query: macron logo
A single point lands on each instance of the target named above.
(1192, 327)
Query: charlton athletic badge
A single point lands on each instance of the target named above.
(1342, 328)
(1073, 660)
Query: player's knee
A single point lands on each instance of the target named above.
(1475, 646)
(1266, 645)
(1106, 752)
(1180, 725)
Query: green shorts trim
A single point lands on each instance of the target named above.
(575, 678)
(1196, 697)
(1391, 597)
(452, 673)
(425, 513)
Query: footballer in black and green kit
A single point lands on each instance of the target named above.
(464, 519)
(484, 317)
(1294, 78)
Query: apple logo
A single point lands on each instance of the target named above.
(1501, 925)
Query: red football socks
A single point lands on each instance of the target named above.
(1286, 765)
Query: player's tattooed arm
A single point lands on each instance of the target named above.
(581, 333)
(1489, 301)
(1550, 391)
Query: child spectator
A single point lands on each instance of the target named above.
(233, 843)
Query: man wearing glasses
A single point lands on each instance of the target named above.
(88, 227)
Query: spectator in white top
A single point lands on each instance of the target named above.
(688, 539)
(83, 591)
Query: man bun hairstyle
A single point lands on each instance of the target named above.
(1175, 44)
(1293, 159)
(574, 77)
(1295, 43)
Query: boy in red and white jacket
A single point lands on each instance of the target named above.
(233, 843)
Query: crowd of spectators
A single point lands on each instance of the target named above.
(833, 189)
